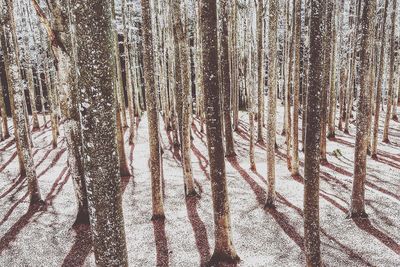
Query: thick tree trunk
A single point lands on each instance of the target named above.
(357, 208)
(313, 135)
(224, 250)
(98, 112)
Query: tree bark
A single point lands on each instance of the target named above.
(98, 112)
(357, 208)
(374, 148)
(152, 113)
(271, 120)
(390, 95)
(224, 250)
(313, 137)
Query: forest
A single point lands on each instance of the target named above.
(199, 133)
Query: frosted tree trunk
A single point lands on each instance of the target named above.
(152, 113)
(313, 136)
(296, 88)
(327, 50)
(5, 133)
(332, 81)
(7, 63)
(98, 112)
(374, 146)
(182, 37)
(260, 70)
(271, 120)
(129, 87)
(226, 79)
(390, 95)
(18, 100)
(67, 86)
(224, 251)
(357, 208)
(32, 97)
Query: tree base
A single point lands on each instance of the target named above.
(222, 258)
(346, 131)
(158, 217)
(230, 155)
(82, 218)
(374, 156)
(270, 204)
(395, 118)
(386, 141)
(37, 205)
(192, 193)
(324, 161)
(331, 136)
(357, 215)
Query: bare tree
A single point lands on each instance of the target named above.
(313, 137)
(224, 250)
(98, 118)
(357, 208)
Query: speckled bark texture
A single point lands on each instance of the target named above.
(96, 68)
(152, 113)
(313, 136)
(357, 208)
(272, 85)
(224, 250)
(21, 124)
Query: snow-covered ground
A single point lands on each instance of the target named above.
(261, 237)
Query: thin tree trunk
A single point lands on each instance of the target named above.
(390, 95)
(18, 101)
(6, 133)
(357, 208)
(374, 149)
(271, 120)
(226, 80)
(260, 70)
(152, 113)
(296, 91)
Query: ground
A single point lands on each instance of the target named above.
(261, 237)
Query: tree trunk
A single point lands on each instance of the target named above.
(6, 133)
(98, 112)
(374, 148)
(296, 91)
(224, 250)
(226, 80)
(260, 70)
(271, 120)
(18, 101)
(313, 135)
(357, 208)
(390, 95)
(152, 113)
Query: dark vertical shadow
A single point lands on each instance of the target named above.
(80, 249)
(161, 242)
(200, 232)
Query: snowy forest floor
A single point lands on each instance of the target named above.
(261, 237)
